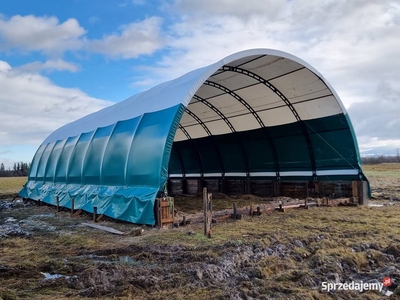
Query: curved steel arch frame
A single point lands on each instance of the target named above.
(119, 158)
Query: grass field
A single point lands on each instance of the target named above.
(382, 170)
(272, 256)
(11, 185)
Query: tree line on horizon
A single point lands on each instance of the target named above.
(19, 169)
(374, 160)
(22, 168)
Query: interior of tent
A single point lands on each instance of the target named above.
(264, 116)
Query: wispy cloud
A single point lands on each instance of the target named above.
(32, 106)
(134, 39)
(49, 65)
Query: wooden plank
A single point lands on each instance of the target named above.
(100, 217)
(104, 228)
(77, 213)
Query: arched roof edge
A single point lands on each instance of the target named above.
(168, 94)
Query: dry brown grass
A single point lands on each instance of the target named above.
(166, 263)
(11, 185)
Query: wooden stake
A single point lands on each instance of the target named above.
(72, 206)
(95, 213)
(234, 210)
(58, 203)
(258, 211)
(207, 206)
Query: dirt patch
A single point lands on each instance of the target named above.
(49, 255)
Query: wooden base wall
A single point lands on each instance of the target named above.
(265, 188)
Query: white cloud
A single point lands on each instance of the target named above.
(50, 65)
(31, 33)
(45, 34)
(135, 39)
(268, 9)
(33, 107)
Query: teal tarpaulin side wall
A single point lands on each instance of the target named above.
(118, 168)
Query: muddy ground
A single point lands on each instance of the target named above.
(46, 254)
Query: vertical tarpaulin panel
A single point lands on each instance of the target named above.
(77, 158)
(43, 162)
(209, 156)
(292, 154)
(333, 150)
(189, 157)
(291, 148)
(146, 157)
(231, 152)
(94, 155)
(117, 151)
(52, 161)
(175, 165)
(63, 161)
(258, 150)
(333, 143)
(35, 162)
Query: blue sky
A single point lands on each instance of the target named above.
(60, 60)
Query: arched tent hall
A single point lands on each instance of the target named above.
(256, 119)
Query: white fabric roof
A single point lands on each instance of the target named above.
(246, 90)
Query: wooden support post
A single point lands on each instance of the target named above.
(234, 210)
(39, 202)
(184, 221)
(207, 205)
(184, 186)
(363, 192)
(72, 206)
(248, 186)
(157, 212)
(223, 185)
(94, 213)
(258, 211)
(58, 203)
(305, 204)
(251, 210)
(276, 186)
(200, 186)
(281, 207)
